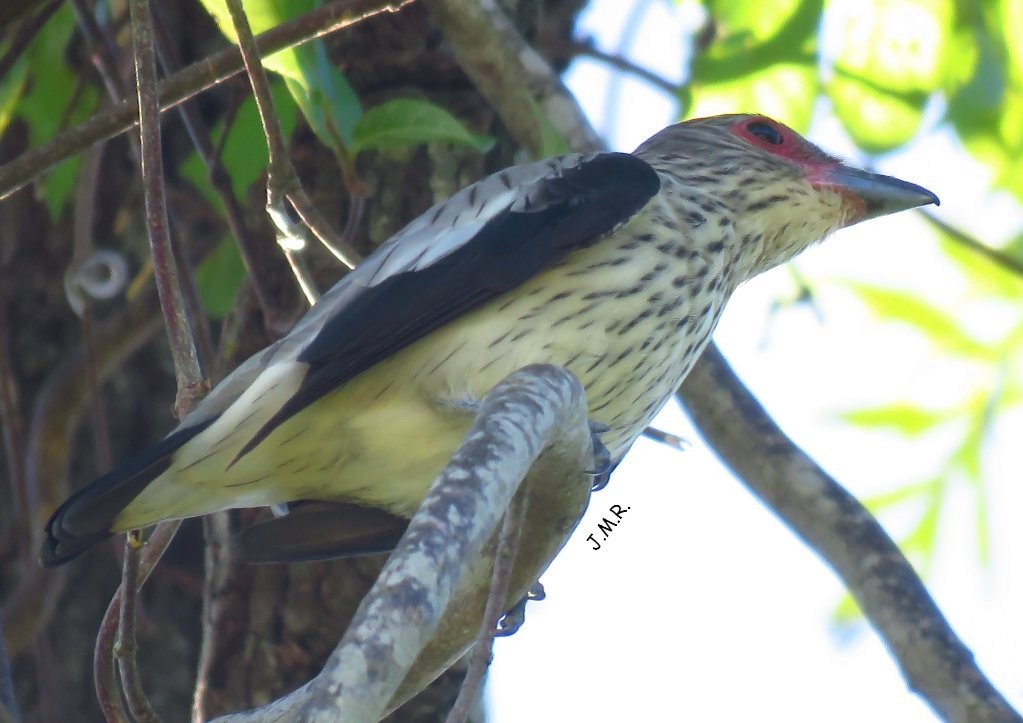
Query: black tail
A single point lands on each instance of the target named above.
(321, 531)
(86, 517)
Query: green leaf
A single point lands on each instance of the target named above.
(968, 459)
(219, 278)
(975, 103)
(10, 91)
(45, 105)
(896, 45)
(877, 120)
(406, 122)
(940, 328)
(900, 495)
(552, 142)
(908, 419)
(985, 277)
(752, 37)
(244, 154)
(847, 611)
(920, 541)
(764, 59)
(263, 15)
(1010, 14)
(746, 24)
(783, 91)
(327, 100)
(890, 58)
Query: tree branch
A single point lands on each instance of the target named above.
(198, 133)
(511, 75)
(428, 594)
(483, 648)
(183, 85)
(935, 663)
(187, 366)
(624, 64)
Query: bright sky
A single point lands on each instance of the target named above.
(701, 605)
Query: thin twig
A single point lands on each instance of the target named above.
(1007, 262)
(102, 54)
(103, 657)
(339, 246)
(192, 80)
(497, 603)
(187, 367)
(126, 646)
(104, 667)
(217, 563)
(666, 438)
(620, 62)
(280, 169)
(282, 180)
(219, 179)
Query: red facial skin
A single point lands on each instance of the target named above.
(819, 165)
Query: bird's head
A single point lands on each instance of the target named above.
(782, 192)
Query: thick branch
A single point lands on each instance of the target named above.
(934, 661)
(537, 408)
(511, 75)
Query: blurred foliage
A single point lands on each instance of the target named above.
(879, 63)
(50, 101)
(328, 102)
(893, 71)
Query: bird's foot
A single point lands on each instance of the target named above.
(602, 462)
(512, 620)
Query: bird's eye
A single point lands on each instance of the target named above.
(766, 132)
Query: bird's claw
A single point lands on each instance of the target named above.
(513, 619)
(602, 462)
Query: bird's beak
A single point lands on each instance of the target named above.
(871, 194)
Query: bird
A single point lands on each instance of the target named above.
(615, 266)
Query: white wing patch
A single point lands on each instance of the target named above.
(244, 417)
(450, 225)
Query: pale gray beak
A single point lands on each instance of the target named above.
(880, 195)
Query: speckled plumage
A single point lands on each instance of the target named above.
(614, 266)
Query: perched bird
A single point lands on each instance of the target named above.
(616, 266)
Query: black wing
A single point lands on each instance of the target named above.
(561, 213)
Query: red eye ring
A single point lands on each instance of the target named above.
(767, 132)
